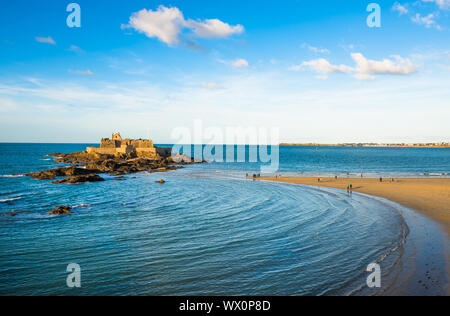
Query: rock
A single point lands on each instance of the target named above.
(180, 158)
(164, 152)
(161, 181)
(10, 214)
(44, 175)
(80, 179)
(62, 172)
(120, 156)
(61, 210)
(148, 155)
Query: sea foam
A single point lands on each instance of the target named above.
(10, 200)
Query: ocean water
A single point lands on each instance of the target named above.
(207, 231)
(376, 161)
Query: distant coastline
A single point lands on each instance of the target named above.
(400, 145)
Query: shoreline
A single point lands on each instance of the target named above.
(428, 196)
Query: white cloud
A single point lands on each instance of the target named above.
(314, 49)
(323, 67)
(261, 98)
(45, 40)
(212, 86)
(76, 49)
(398, 66)
(364, 77)
(401, 9)
(81, 72)
(365, 69)
(350, 47)
(443, 4)
(167, 24)
(240, 63)
(428, 21)
(213, 28)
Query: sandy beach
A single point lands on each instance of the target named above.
(430, 196)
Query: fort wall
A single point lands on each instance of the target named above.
(107, 143)
(102, 151)
(142, 143)
(117, 145)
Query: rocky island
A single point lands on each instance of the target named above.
(115, 156)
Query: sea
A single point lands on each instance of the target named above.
(210, 231)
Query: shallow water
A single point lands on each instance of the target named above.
(207, 231)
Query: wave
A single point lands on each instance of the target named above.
(394, 247)
(10, 200)
(81, 206)
(12, 176)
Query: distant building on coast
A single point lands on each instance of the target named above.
(118, 145)
(414, 145)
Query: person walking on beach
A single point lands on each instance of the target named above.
(381, 179)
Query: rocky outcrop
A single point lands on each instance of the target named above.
(80, 179)
(122, 167)
(61, 210)
(183, 159)
(87, 166)
(62, 172)
(164, 152)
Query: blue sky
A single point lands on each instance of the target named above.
(315, 70)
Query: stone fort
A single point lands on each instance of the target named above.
(118, 145)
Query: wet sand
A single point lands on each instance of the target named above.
(429, 196)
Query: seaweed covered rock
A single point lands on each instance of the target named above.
(62, 172)
(80, 179)
(61, 210)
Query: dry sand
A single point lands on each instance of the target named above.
(430, 196)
